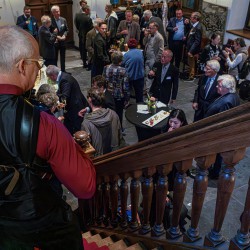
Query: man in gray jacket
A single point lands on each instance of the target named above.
(154, 45)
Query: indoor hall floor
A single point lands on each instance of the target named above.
(184, 97)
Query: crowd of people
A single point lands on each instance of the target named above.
(48, 155)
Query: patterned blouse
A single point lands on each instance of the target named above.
(117, 80)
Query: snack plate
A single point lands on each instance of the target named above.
(156, 118)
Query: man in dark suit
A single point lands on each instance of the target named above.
(83, 24)
(177, 28)
(60, 24)
(28, 22)
(206, 91)
(166, 81)
(47, 41)
(69, 91)
(101, 57)
(193, 46)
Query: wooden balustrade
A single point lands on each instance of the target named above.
(226, 134)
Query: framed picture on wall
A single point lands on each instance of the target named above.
(247, 23)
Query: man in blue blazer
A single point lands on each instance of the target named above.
(178, 28)
(28, 22)
(206, 91)
(59, 23)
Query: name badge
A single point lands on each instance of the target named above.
(168, 78)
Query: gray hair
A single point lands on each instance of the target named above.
(14, 46)
(147, 13)
(116, 57)
(52, 70)
(49, 99)
(44, 89)
(45, 19)
(54, 7)
(197, 15)
(97, 21)
(214, 64)
(228, 82)
(170, 52)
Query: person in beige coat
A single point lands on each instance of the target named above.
(154, 45)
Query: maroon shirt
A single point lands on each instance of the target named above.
(55, 144)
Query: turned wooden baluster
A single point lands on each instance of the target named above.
(147, 193)
(114, 200)
(106, 201)
(242, 239)
(161, 190)
(99, 206)
(134, 193)
(199, 192)
(124, 199)
(225, 188)
(180, 185)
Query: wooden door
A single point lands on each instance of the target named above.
(42, 7)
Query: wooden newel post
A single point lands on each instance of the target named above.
(242, 240)
(225, 188)
(199, 192)
(147, 193)
(180, 185)
(134, 193)
(161, 190)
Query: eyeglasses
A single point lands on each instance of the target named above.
(39, 62)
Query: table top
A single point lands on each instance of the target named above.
(137, 118)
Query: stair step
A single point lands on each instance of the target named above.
(95, 238)
(105, 242)
(86, 235)
(134, 247)
(119, 245)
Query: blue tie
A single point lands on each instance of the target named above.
(207, 86)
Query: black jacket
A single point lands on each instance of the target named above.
(194, 39)
(63, 30)
(83, 24)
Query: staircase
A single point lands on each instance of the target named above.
(132, 170)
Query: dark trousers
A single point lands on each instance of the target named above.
(96, 69)
(138, 87)
(119, 106)
(48, 62)
(177, 49)
(57, 230)
(82, 48)
(62, 50)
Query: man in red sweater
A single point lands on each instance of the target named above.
(31, 213)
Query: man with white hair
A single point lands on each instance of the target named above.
(60, 24)
(226, 88)
(69, 92)
(148, 17)
(206, 91)
(34, 147)
(47, 41)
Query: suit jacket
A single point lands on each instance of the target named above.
(171, 25)
(158, 46)
(199, 97)
(160, 29)
(194, 39)
(21, 22)
(47, 43)
(83, 24)
(100, 57)
(133, 31)
(90, 37)
(223, 103)
(168, 88)
(69, 89)
(63, 30)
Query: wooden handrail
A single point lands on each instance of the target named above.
(223, 132)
